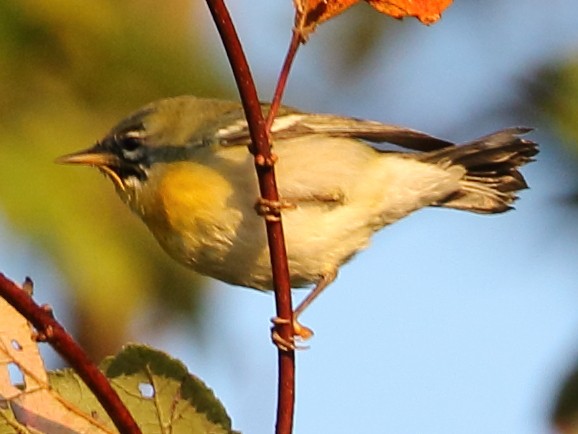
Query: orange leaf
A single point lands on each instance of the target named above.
(427, 11)
(310, 13)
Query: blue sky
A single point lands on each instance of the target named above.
(450, 322)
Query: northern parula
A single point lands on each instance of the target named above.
(181, 164)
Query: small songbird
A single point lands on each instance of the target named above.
(181, 164)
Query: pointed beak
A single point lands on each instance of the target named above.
(96, 157)
(90, 157)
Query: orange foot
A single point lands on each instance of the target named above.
(300, 333)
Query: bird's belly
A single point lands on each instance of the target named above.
(317, 244)
(209, 222)
(231, 245)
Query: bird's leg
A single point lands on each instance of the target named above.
(271, 209)
(323, 283)
(300, 331)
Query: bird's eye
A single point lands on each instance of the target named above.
(130, 143)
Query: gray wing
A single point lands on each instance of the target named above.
(290, 124)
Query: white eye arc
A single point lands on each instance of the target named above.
(130, 141)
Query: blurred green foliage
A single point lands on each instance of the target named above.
(553, 93)
(69, 71)
(553, 90)
(565, 412)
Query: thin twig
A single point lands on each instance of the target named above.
(296, 41)
(264, 164)
(53, 333)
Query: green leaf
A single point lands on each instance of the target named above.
(158, 387)
(160, 393)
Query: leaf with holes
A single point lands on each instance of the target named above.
(158, 390)
(160, 393)
(27, 403)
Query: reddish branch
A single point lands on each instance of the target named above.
(261, 149)
(53, 333)
(296, 41)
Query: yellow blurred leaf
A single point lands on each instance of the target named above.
(67, 74)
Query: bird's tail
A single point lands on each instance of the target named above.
(492, 177)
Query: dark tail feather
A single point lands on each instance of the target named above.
(492, 177)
